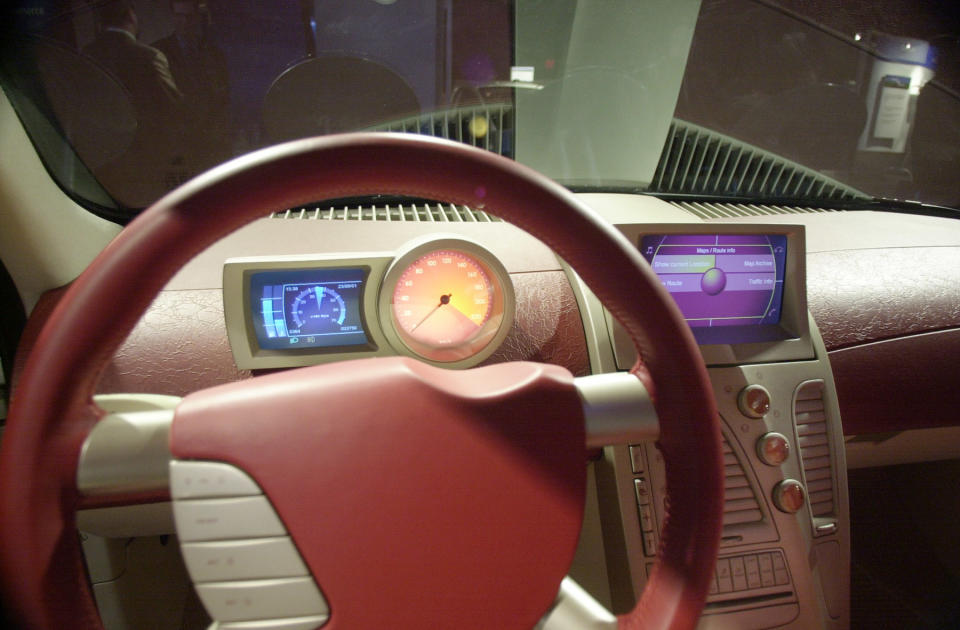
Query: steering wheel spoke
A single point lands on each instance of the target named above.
(240, 557)
(576, 609)
(125, 457)
(617, 409)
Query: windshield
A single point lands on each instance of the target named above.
(724, 98)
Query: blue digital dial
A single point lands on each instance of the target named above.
(314, 310)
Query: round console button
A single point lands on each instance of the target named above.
(789, 495)
(773, 449)
(754, 401)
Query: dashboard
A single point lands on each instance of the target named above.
(448, 300)
(765, 298)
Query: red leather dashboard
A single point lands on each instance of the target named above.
(861, 296)
(181, 344)
(891, 321)
(890, 318)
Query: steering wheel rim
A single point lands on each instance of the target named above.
(40, 561)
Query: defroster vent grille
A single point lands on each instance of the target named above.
(488, 126)
(810, 417)
(701, 161)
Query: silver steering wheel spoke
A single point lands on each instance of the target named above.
(617, 409)
(576, 609)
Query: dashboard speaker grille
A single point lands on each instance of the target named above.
(712, 210)
(401, 212)
(739, 502)
(810, 417)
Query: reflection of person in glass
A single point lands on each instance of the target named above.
(144, 72)
(141, 69)
(200, 70)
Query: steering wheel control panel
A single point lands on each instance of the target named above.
(244, 565)
(446, 301)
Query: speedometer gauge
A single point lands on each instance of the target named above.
(443, 298)
(449, 301)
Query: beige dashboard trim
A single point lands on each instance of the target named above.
(35, 211)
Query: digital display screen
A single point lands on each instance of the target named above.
(307, 308)
(721, 279)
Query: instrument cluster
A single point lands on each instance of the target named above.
(445, 300)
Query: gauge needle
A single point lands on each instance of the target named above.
(319, 291)
(444, 299)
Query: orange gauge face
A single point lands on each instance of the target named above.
(447, 305)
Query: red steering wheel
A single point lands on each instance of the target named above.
(417, 497)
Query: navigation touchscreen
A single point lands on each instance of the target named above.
(721, 279)
(307, 308)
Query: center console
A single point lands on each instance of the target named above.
(785, 545)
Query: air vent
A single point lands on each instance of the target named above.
(739, 503)
(489, 127)
(710, 211)
(697, 160)
(810, 417)
(410, 212)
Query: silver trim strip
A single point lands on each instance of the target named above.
(576, 609)
(617, 409)
(126, 452)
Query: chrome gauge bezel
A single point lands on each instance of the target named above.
(492, 333)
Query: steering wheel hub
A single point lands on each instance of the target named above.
(465, 493)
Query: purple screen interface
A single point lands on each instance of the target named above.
(721, 279)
